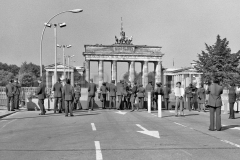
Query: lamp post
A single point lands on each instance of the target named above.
(63, 47)
(71, 11)
(69, 64)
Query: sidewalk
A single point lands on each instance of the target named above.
(4, 112)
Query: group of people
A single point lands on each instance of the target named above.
(13, 90)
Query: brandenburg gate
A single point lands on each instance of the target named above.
(124, 51)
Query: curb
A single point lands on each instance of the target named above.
(5, 115)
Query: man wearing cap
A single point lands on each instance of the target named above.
(140, 95)
(92, 88)
(57, 88)
(68, 94)
(166, 92)
(112, 94)
(41, 96)
(189, 92)
(17, 91)
(103, 90)
(10, 94)
(119, 94)
(149, 88)
(133, 96)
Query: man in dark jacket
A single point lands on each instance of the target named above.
(189, 92)
(57, 88)
(17, 91)
(215, 103)
(166, 92)
(103, 90)
(68, 94)
(77, 95)
(140, 95)
(149, 88)
(41, 96)
(112, 94)
(92, 88)
(158, 91)
(10, 94)
(119, 94)
(133, 96)
(232, 96)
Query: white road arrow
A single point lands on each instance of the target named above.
(120, 112)
(147, 132)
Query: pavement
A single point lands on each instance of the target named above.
(117, 135)
(4, 112)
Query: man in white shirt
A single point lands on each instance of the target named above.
(179, 94)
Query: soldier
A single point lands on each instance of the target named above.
(57, 88)
(149, 88)
(133, 96)
(17, 91)
(112, 94)
(103, 90)
(92, 88)
(119, 94)
(166, 92)
(77, 95)
(41, 96)
(158, 91)
(68, 94)
(189, 92)
(10, 94)
(140, 96)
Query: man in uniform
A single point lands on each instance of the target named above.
(68, 94)
(158, 91)
(17, 91)
(119, 94)
(41, 96)
(133, 96)
(189, 92)
(112, 94)
(92, 88)
(149, 88)
(57, 88)
(166, 92)
(140, 95)
(77, 95)
(103, 90)
(10, 94)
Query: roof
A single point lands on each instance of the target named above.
(59, 66)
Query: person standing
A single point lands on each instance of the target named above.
(57, 88)
(133, 96)
(41, 96)
(166, 92)
(77, 95)
(158, 91)
(215, 103)
(17, 91)
(119, 94)
(68, 94)
(232, 96)
(179, 94)
(112, 94)
(201, 96)
(141, 96)
(189, 92)
(149, 88)
(92, 88)
(103, 90)
(10, 96)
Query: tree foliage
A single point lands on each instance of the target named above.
(5, 77)
(10, 68)
(26, 80)
(218, 62)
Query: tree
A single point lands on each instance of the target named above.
(10, 68)
(5, 77)
(218, 62)
(30, 68)
(26, 80)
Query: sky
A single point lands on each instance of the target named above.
(180, 27)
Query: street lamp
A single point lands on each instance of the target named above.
(63, 47)
(69, 63)
(71, 11)
(61, 25)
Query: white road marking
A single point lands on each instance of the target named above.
(236, 145)
(186, 152)
(147, 132)
(180, 124)
(120, 112)
(93, 127)
(8, 123)
(98, 151)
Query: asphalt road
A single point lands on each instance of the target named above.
(107, 135)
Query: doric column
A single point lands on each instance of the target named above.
(161, 72)
(47, 79)
(87, 70)
(132, 72)
(183, 81)
(142, 72)
(165, 79)
(155, 72)
(114, 71)
(72, 78)
(100, 73)
(190, 78)
(159, 75)
(145, 73)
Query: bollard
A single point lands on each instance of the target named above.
(149, 102)
(160, 106)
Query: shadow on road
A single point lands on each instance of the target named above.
(229, 127)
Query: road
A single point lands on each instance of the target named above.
(113, 135)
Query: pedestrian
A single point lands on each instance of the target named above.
(149, 88)
(103, 90)
(128, 97)
(77, 94)
(68, 94)
(215, 103)
(57, 89)
(201, 98)
(41, 96)
(232, 96)
(10, 95)
(17, 91)
(166, 92)
(179, 94)
(125, 96)
(158, 91)
(92, 88)
(140, 95)
(119, 94)
(112, 94)
(133, 96)
(189, 92)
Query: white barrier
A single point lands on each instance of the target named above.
(149, 102)
(160, 106)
